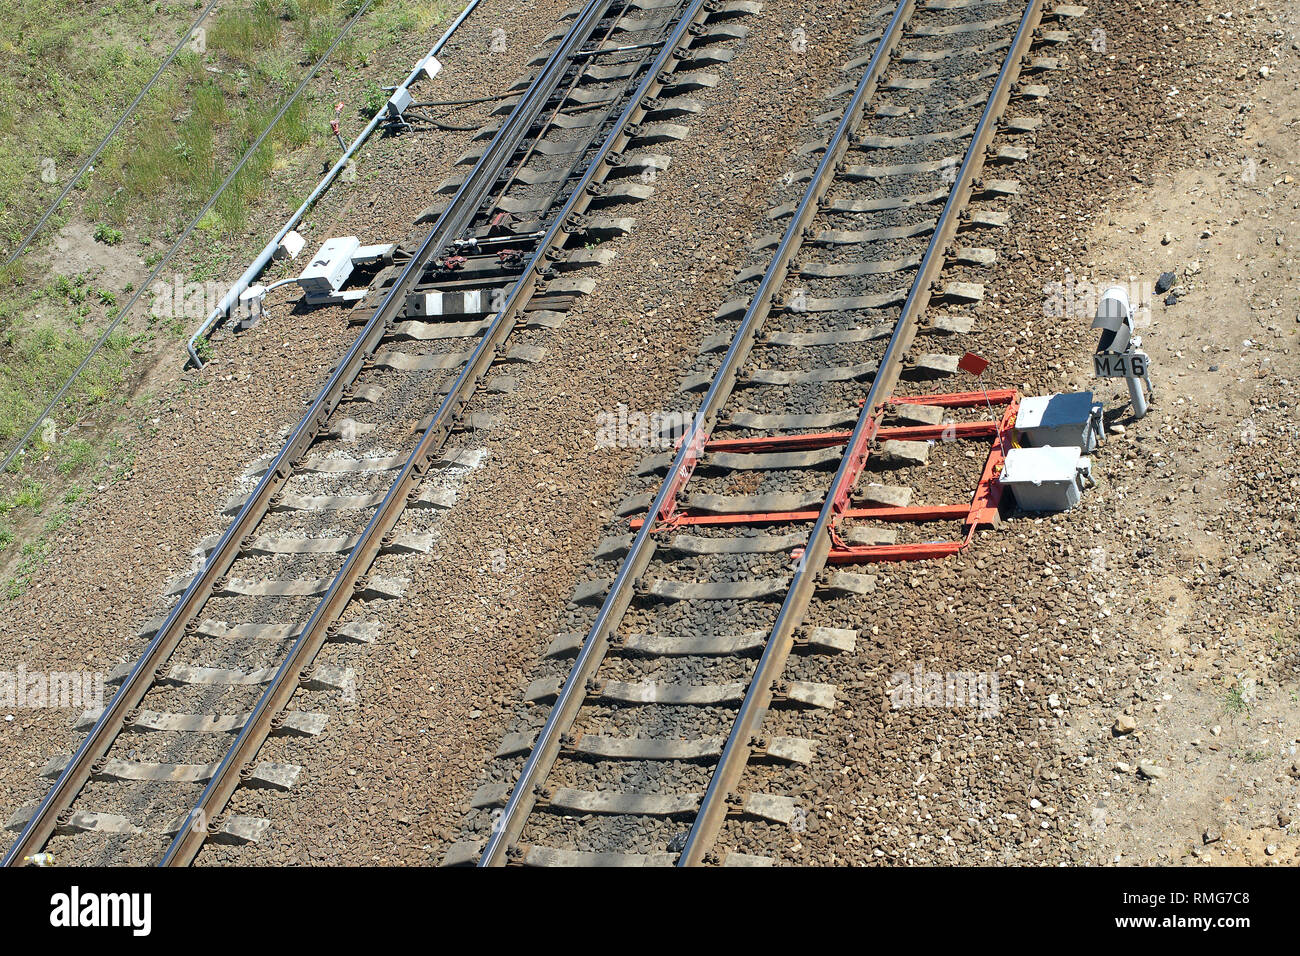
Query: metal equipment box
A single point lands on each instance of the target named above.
(1045, 479)
(289, 246)
(1060, 420)
(398, 103)
(330, 267)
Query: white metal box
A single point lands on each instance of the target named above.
(1060, 420)
(289, 246)
(1044, 479)
(330, 267)
(427, 68)
(398, 103)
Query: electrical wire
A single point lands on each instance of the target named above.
(111, 133)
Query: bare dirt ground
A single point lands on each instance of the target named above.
(1209, 483)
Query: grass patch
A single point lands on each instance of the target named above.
(33, 556)
(1234, 702)
(74, 455)
(29, 496)
(30, 499)
(219, 100)
(39, 360)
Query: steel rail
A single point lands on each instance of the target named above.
(504, 187)
(349, 578)
(541, 758)
(736, 752)
(182, 617)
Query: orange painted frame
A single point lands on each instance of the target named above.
(981, 510)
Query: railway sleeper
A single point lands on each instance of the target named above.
(823, 640)
(545, 690)
(466, 853)
(265, 775)
(929, 366)
(323, 677)
(231, 830)
(294, 724)
(357, 632)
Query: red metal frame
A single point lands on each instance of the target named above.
(981, 510)
(983, 507)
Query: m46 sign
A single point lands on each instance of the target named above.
(1120, 364)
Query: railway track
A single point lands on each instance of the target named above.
(375, 458)
(668, 677)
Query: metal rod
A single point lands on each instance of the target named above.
(1137, 396)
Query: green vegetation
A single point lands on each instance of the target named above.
(1234, 702)
(38, 355)
(211, 105)
(30, 501)
(204, 349)
(67, 71)
(107, 235)
(375, 98)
